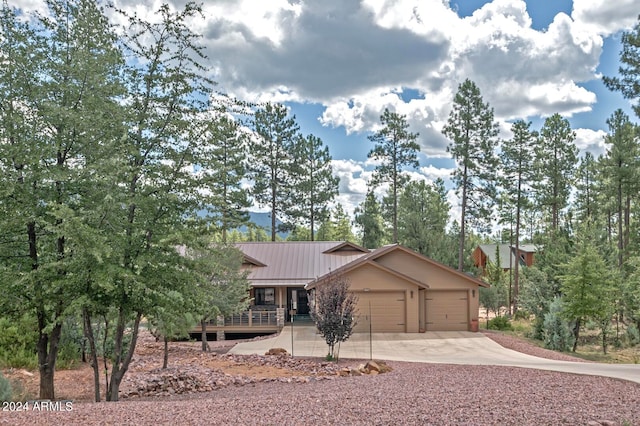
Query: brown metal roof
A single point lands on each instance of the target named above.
(296, 263)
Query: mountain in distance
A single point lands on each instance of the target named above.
(260, 219)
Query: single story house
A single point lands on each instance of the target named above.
(398, 289)
(486, 253)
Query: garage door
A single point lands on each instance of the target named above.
(388, 312)
(447, 310)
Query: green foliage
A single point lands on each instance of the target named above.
(272, 160)
(473, 134)
(314, 185)
(71, 343)
(368, 218)
(223, 154)
(629, 81)
(557, 335)
(18, 342)
(396, 149)
(496, 296)
(6, 392)
(632, 335)
(423, 212)
(501, 323)
(555, 159)
(337, 228)
(536, 294)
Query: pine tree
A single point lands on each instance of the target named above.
(629, 81)
(314, 185)
(368, 218)
(396, 148)
(272, 160)
(516, 165)
(224, 150)
(473, 134)
(555, 160)
(423, 213)
(622, 168)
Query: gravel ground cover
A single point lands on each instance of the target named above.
(412, 394)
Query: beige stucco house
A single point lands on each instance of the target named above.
(398, 289)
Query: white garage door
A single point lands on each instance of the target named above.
(385, 311)
(447, 310)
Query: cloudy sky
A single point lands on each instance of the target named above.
(338, 63)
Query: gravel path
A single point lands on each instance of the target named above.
(413, 394)
(525, 347)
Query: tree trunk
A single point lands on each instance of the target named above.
(203, 336)
(165, 359)
(576, 334)
(88, 333)
(47, 354)
(120, 366)
(463, 209)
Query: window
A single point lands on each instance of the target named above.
(265, 296)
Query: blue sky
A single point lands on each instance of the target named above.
(337, 64)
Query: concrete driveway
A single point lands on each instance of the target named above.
(450, 347)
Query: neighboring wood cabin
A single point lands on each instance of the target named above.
(485, 253)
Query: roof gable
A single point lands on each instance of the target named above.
(386, 250)
(296, 262)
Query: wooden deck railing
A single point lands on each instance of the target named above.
(251, 319)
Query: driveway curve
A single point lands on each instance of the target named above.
(447, 347)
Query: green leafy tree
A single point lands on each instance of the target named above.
(554, 165)
(151, 209)
(333, 311)
(629, 81)
(220, 283)
(277, 134)
(395, 148)
(368, 218)
(314, 185)
(473, 134)
(516, 165)
(423, 213)
(60, 80)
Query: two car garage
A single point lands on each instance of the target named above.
(401, 291)
(386, 312)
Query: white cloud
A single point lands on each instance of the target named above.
(591, 140)
(605, 17)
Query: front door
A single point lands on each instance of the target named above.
(297, 301)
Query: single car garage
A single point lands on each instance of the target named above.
(381, 312)
(446, 310)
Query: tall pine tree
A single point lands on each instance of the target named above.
(276, 135)
(396, 148)
(314, 185)
(473, 134)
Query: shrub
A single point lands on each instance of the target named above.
(18, 342)
(500, 323)
(5, 389)
(633, 335)
(557, 335)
